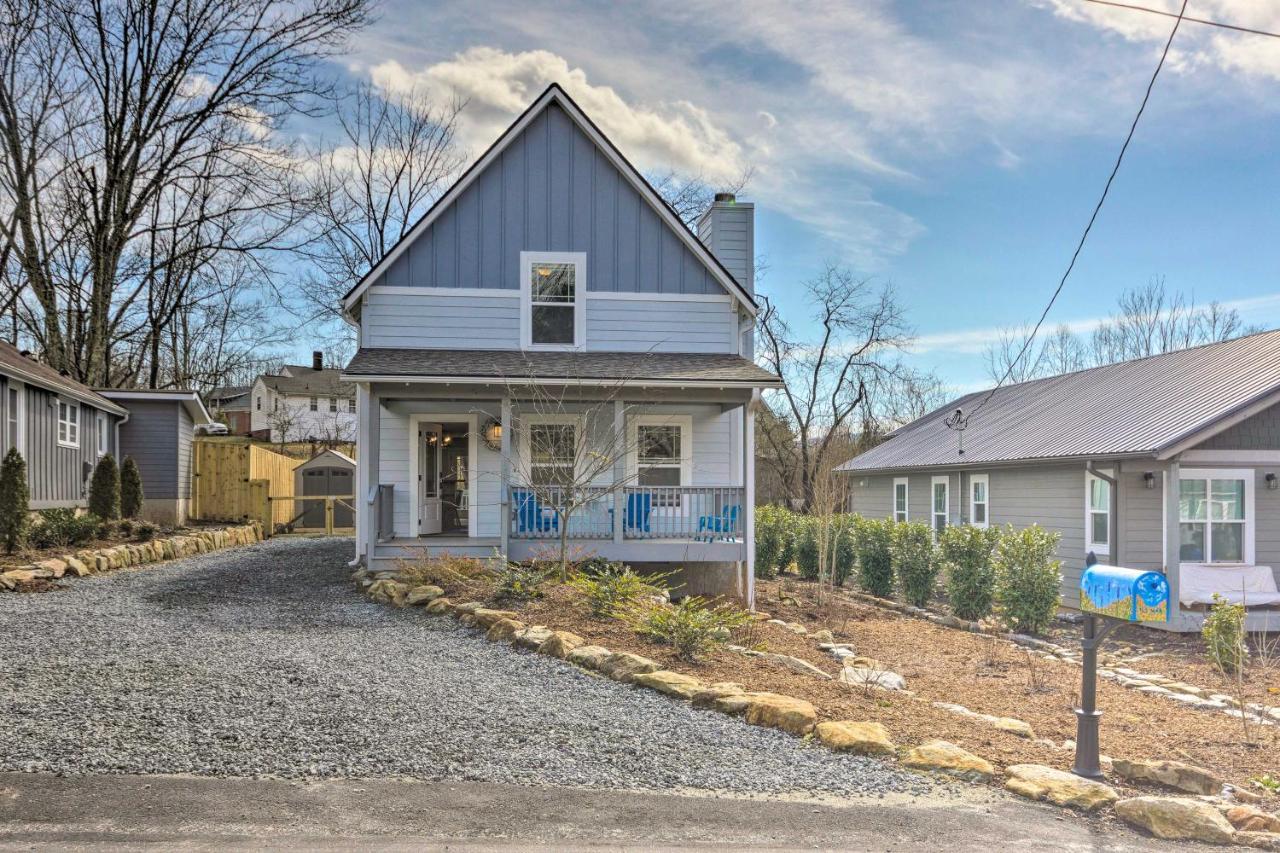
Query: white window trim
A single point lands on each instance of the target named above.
(73, 429)
(684, 422)
(985, 480)
(579, 260)
(313, 404)
(1101, 549)
(527, 421)
(906, 499)
(104, 434)
(1250, 520)
(19, 440)
(945, 480)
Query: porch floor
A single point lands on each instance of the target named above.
(675, 550)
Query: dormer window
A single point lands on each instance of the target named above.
(551, 285)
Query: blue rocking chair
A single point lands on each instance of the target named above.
(531, 517)
(723, 526)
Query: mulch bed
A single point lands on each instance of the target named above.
(985, 674)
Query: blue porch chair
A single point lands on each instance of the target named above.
(531, 517)
(636, 513)
(722, 526)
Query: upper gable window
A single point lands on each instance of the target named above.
(551, 305)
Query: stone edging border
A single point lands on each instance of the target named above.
(1149, 683)
(1210, 819)
(91, 562)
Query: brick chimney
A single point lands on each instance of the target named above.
(317, 360)
(728, 229)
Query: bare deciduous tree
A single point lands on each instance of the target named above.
(690, 195)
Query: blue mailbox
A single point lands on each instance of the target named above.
(1130, 594)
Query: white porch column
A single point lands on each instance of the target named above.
(504, 493)
(367, 456)
(749, 493)
(1172, 541)
(619, 468)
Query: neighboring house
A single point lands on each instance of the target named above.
(549, 278)
(60, 427)
(158, 436)
(303, 404)
(1170, 460)
(230, 404)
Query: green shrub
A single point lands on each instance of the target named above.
(104, 489)
(615, 589)
(518, 582)
(788, 524)
(966, 554)
(131, 496)
(914, 562)
(771, 526)
(15, 517)
(1224, 636)
(806, 548)
(845, 546)
(60, 528)
(144, 531)
(692, 627)
(1028, 578)
(594, 566)
(873, 538)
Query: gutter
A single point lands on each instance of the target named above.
(1002, 463)
(507, 380)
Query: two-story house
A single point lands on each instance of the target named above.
(551, 334)
(302, 403)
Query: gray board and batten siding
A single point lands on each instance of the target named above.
(158, 437)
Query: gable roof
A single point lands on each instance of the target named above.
(555, 94)
(1155, 407)
(189, 400)
(327, 457)
(317, 383)
(14, 363)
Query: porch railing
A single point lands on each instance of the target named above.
(711, 513)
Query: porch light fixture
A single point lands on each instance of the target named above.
(1271, 481)
(1149, 479)
(492, 435)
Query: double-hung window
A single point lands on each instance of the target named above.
(333, 404)
(941, 503)
(15, 413)
(979, 500)
(662, 455)
(552, 313)
(1097, 515)
(104, 434)
(351, 405)
(68, 424)
(314, 404)
(550, 444)
(900, 499)
(1215, 516)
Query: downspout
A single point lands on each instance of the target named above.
(1113, 511)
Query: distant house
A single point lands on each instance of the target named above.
(1162, 463)
(303, 403)
(60, 427)
(158, 436)
(230, 404)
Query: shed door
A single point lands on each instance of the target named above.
(315, 481)
(341, 482)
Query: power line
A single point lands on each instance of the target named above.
(963, 422)
(1205, 21)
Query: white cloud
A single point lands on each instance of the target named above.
(498, 85)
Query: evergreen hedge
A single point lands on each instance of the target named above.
(104, 489)
(15, 517)
(131, 496)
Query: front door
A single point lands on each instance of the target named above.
(429, 503)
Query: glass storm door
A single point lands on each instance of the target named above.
(429, 502)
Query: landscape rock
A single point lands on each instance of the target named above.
(424, 594)
(1004, 724)
(861, 676)
(1173, 774)
(533, 637)
(796, 716)
(948, 758)
(1257, 840)
(485, 617)
(1037, 782)
(440, 605)
(675, 684)
(56, 568)
(862, 738)
(796, 665)
(823, 636)
(623, 666)
(709, 694)
(466, 607)
(560, 644)
(589, 657)
(504, 630)
(77, 567)
(1252, 819)
(1176, 818)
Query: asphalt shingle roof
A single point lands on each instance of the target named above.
(634, 367)
(1130, 408)
(13, 361)
(319, 383)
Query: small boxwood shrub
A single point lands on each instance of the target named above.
(61, 527)
(966, 555)
(15, 518)
(914, 563)
(873, 540)
(1224, 636)
(1028, 578)
(692, 627)
(104, 489)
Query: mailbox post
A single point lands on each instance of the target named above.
(1110, 596)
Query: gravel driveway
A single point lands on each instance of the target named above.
(263, 661)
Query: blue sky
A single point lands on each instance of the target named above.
(954, 149)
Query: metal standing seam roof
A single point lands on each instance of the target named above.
(514, 365)
(1138, 407)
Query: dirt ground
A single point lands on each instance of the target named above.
(985, 674)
